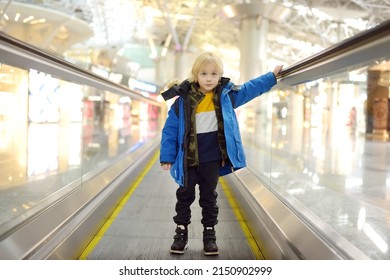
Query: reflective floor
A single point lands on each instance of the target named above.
(338, 180)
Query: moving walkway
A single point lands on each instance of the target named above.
(107, 198)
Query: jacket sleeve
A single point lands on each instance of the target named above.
(253, 88)
(169, 138)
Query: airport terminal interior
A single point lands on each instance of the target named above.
(81, 117)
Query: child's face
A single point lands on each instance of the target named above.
(208, 78)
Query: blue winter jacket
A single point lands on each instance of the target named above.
(174, 134)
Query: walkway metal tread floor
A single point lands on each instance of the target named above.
(144, 228)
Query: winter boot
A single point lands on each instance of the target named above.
(210, 247)
(180, 240)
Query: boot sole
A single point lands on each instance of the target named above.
(210, 253)
(177, 252)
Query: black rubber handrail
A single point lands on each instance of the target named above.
(34, 50)
(377, 32)
(56, 60)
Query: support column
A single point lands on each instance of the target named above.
(179, 66)
(183, 64)
(253, 48)
(254, 19)
(157, 66)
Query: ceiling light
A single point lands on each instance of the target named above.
(358, 23)
(37, 21)
(27, 19)
(228, 11)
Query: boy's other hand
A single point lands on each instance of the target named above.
(166, 166)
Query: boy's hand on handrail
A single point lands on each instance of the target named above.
(277, 70)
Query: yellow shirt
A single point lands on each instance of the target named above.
(206, 120)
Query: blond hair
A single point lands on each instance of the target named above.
(201, 61)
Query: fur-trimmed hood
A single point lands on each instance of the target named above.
(184, 87)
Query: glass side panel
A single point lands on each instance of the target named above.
(328, 152)
(52, 132)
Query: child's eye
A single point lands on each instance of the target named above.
(204, 74)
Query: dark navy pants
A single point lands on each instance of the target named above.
(206, 176)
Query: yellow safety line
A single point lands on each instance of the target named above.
(252, 243)
(117, 210)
